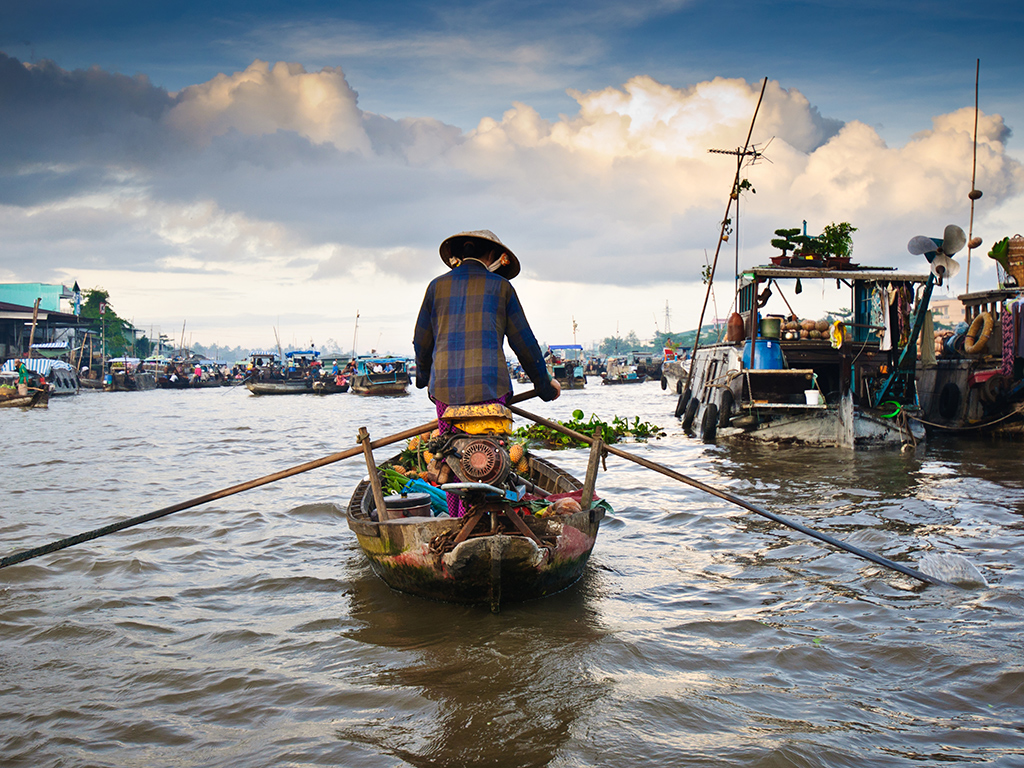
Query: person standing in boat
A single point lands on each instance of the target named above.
(465, 317)
(22, 370)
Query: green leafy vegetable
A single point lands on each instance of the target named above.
(619, 429)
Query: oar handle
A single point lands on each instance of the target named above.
(55, 546)
(735, 500)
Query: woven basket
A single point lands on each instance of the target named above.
(1015, 255)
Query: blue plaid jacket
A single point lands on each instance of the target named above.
(465, 317)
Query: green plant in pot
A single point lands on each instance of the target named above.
(837, 241)
(808, 247)
(786, 241)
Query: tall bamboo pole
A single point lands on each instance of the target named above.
(32, 333)
(974, 194)
(721, 234)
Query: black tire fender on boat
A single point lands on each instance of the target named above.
(725, 408)
(681, 403)
(679, 386)
(709, 423)
(691, 412)
(949, 400)
(664, 383)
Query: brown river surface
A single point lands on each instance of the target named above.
(250, 631)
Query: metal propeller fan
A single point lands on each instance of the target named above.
(939, 252)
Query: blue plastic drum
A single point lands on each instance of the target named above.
(767, 356)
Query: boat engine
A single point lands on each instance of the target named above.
(479, 460)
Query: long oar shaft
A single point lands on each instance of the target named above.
(132, 521)
(734, 500)
(28, 554)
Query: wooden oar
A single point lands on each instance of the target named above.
(28, 554)
(735, 500)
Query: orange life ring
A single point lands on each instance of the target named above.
(977, 335)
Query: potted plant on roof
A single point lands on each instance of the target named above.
(809, 251)
(786, 242)
(837, 244)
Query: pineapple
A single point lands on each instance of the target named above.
(516, 453)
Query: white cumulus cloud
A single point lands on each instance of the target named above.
(277, 173)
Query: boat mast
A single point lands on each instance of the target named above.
(355, 333)
(722, 234)
(975, 193)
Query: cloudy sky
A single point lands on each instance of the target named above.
(242, 167)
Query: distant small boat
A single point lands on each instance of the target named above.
(13, 396)
(622, 370)
(565, 365)
(279, 386)
(380, 376)
(125, 374)
(628, 378)
(60, 376)
(330, 385)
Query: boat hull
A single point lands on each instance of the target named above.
(366, 385)
(36, 398)
(673, 375)
(137, 382)
(329, 387)
(278, 387)
(485, 569)
(970, 398)
(624, 379)
(769, 406)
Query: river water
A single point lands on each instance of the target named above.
(251, 632)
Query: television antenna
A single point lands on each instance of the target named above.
(749, 155)
(755, 152)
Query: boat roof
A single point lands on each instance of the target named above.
(263, 353)
(51, 345)
(302, 353)
(565, 346)
(376, 359)
(862, 274)
(41, 365)
(993, 294)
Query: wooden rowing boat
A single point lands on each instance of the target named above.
(35, 398)
(496, 563)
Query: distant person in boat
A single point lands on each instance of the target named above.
(465, 317)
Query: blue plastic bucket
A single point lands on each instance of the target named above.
(767, 356)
